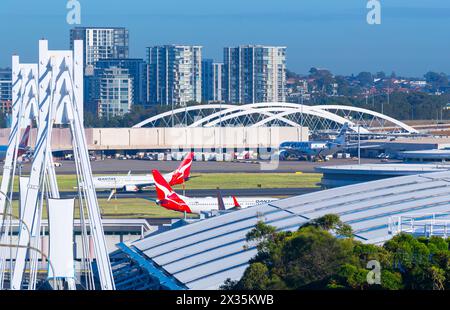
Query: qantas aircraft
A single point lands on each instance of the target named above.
(130, 183)
(23, 145)
(168, 199)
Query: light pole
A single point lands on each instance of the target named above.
(172, 108)
(359, 146)
(220, 129)
(301, 115)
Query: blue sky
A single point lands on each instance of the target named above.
(412, 39)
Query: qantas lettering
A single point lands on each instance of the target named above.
(259, 201)
(106, 179)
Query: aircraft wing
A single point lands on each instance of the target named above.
(145, 185)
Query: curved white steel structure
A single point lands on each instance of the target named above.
(233, 109)
(225, 109)
(183, 110)
(264, 109)
(369, 112)
(333, 117)
(285, 112)
(228, 114)
(214, 121)
(264, 114)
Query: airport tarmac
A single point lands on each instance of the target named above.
(115, 166)
(243, 192)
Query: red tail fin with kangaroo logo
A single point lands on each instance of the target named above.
(167, 198)
(26, 135)
(23, 145)
(183, 171)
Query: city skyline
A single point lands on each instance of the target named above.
(332, 35)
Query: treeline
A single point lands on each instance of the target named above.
(137, 114)
(402, 106)
(399, 105)
(323, 80)
(323, 255)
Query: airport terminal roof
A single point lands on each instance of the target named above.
(415, 140)
(204, 254)
(439, 154)
(385, 169)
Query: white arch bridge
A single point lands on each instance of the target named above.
(316, 118)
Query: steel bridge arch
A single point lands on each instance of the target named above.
(225, 108)
(276, 111)
(255, 107)
(335, 118)
(182, 110)
(239, 113)
(402, 125)
(285, 112)
(265, 108)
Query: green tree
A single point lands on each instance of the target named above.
(323, 78)
(313, 257)
(256, 277)
(423, 262)
(365, 79)
(437, 80)
(332, 222)
(380, 75)
(437, 277)
(298, 259)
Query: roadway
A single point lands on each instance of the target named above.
(114, 166)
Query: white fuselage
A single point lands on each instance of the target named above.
(198, 205)
(310, 148)
(130, 183)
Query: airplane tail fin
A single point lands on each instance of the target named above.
(236, 203)
(183, 171)
(220, 200)
(25, 137)
(166, 196)
(340, 139)
(163, 189)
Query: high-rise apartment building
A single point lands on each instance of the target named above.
(112, 91)
(101, 43)
(212, 74)
(254, 73)
(137, 69)
(174, 75)
(5, 89)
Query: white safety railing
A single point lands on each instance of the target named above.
(424, 224)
